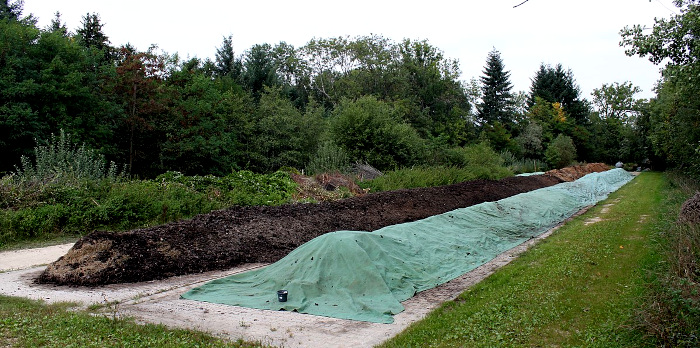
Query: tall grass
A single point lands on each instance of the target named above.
(62, 161)
(522, 165)
(671, 311)
(329, 158)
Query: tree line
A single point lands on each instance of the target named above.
(365, 98)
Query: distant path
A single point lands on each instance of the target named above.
(27, 258)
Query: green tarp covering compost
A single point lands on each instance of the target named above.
(365, 276)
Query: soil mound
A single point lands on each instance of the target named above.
(690, 210)
(230, 237)
(575, 172)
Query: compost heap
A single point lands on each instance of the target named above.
(365, 276)
(230, 237)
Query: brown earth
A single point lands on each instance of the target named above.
(574, 172)
(231, 237)
(690, 210)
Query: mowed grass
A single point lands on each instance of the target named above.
(28, 323)
(581, 287)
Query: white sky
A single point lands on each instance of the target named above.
(582, 35)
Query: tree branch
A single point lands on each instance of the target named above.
(520, 3)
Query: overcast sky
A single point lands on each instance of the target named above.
(582, 35)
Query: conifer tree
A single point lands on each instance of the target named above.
(556, 85)
(91, 35)
(11, 11)
(497, 101)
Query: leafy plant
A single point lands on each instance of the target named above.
(61, 160)
(561, 152)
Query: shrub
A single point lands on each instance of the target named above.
(561, 152)
(328, 158)
(370, 130)
(63, 161)
(431, 176)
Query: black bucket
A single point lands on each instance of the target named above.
(282, 295)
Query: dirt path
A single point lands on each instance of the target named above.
(26, 258)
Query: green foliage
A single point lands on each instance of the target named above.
(561, 152)
(282, 135)
(328, 158)
(671, 310)
(522, 165)
(369, 130)
(429, 176)
(530, 140)
(673, 125)
(477, 161)
(30, 323)
(42, 211)
(62, 161)
(556, 85)
(496, 101)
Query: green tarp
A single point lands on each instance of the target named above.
(365, 276)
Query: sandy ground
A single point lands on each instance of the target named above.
(160, 302)
(26, 258)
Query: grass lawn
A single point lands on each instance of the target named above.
(580, 287)
(27, 323)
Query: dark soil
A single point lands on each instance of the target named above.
(690, 210)
(231, 237)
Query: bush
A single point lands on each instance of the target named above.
(430, 176)
(561, 152)
(328, 158)
(369, 130)
(63, 161)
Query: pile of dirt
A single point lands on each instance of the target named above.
(325, 187)
(575, 172)
(230, 237)
(690, 210)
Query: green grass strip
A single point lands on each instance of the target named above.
(579, 287)
(28, 323)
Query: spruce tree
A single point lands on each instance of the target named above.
(226, 62)
(497, 101)
(11, 11)
(556, 85)
(91, 35)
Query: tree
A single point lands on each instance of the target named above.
(616, 100)
(674, 121)
(91, 34)
(137, 87)
(203, 130)
(530, 141)
(561, 152)
(556, 85)
(281, 134)
(496, 101)
(57, 26)
(370, 130)
(226, 63)
(259, 70)
(11, 11)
